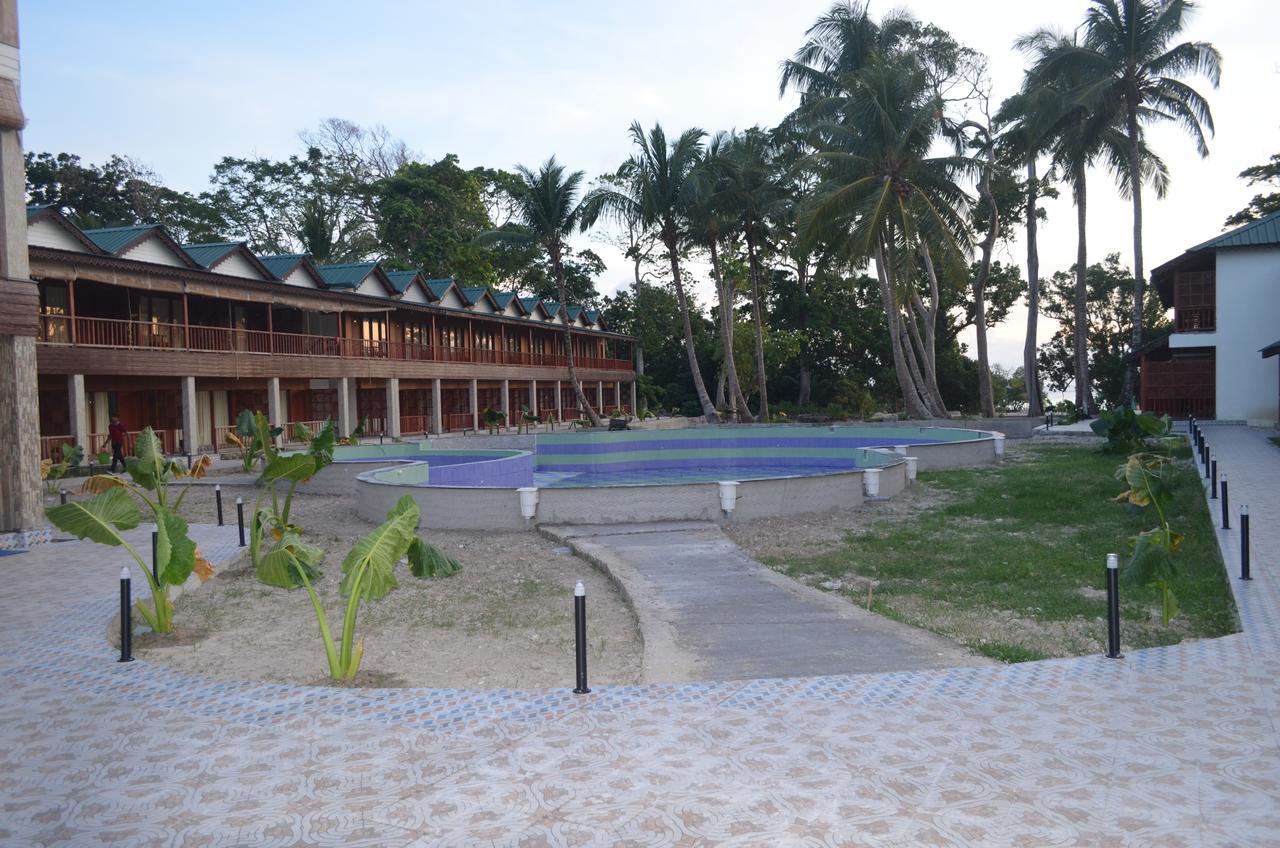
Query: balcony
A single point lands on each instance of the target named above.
(1195, 319)
(148, 335)
(1194, 302)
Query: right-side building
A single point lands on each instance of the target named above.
(1219, 360)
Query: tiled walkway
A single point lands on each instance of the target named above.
(1169, 747)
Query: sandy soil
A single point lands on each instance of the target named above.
(506, 620)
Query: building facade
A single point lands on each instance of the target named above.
(1225, 297)
(184, 337)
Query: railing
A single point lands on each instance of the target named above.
(149, 335)
(1179, 388)
(102, 441)
(1195, 319)
(51, 446)
(458, 421)
(414, 424)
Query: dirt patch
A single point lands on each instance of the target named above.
(506, 620)
(179, 637)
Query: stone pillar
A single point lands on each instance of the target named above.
(617, 393)
(190, 427)
(78, 412)
(346, 405)
(475, 404)
(635, 409)
(599, 396)
(21, 506)
(275, 409)
(506, 399)
(559, 403)
(437, 419)
(392, 425)
(533, 397)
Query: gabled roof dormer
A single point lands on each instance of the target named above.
(410, 286)
(294, 269)
(510, 305)
(232, 258)
(357, 277)
(447, 293)
(48, 227)
(143, 243)
(479, 299)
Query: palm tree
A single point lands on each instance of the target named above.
(756, 193)
(548, 209)
(708, 226)
(885, 198)
(662, 179)
(1127, 59)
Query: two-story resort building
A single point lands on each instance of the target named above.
(183, 337)
(1218, 361)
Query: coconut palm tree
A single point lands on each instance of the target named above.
(548, 209)
(709, 224)
(886, 199)
(1127, 58)
(662, 182)
(755, 192)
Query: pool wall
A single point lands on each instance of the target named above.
(499, 509)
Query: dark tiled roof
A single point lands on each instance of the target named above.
(281, 266)
(206, 255)
(349, 275)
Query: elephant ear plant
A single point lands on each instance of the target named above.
(271, 532)
(368, 573)
(114, 509)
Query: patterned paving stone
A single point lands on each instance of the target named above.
(1171, 746)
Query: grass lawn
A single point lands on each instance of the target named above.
(1011, 562)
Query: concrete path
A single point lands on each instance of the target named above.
(1170, 747)
(710, 612)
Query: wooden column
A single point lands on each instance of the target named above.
(475, 404)
(437, 418)
(71, 308)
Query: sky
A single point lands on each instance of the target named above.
(177, 87)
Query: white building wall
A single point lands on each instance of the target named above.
(299, 277)
(1248, 319)
(151, 249)
(236, 265)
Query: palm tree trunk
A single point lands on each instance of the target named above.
(806, 374)
(737, 406)
(1135, 188)
(913, 405)
(1084, 389)
(583, 403)
(720, 400)
(917, 358)
(753, 268)
(704, 400)
(1030, 372)
(986, 397)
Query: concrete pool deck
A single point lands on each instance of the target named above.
(1169, 747)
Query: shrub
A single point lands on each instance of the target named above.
(1128, 431)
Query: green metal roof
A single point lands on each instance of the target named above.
(112, 239)
(503, 298)
(400, 280)
(574, 312)
(439, 287)
(473, 293)
(593, 315)
(1272, 349)
(530, 303)
(281, 266)
(1263, 231)
(33, 211)
(348, 276)
(206, 255)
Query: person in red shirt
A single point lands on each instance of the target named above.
(117, 433)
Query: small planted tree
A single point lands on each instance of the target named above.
(1151, 563)
(270, 526)
(368, 573)
(113, 509)
(51, 472)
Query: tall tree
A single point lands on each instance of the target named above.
(1128, 58)
(1262, 205)
(662, 179)
(549, 210)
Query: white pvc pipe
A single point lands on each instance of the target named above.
(528, 501)
(913, 465)
(900, 450)
(999, 437)
(728, 495)
(871, 481)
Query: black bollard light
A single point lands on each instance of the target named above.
(217, 497)
(62, 496)
(1226, 515)
(1244, 543)
(1213, 486)
(1113, 607)
(188, 462)
(240, 518)
(126, 617)
(580, 636)
(155, 571)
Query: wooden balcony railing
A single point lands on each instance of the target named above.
(51, 446)
(150, 335)
(412, 425)
(1195, 319)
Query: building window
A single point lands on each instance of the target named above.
(1194, 299)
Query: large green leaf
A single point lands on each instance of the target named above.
(1152, 558)
(428, 561)
(147, 466)
(180, 550)
(99, 519)
(374, 557)
(287, 557)
(295, 467)
(245, 424)
(321, 447)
